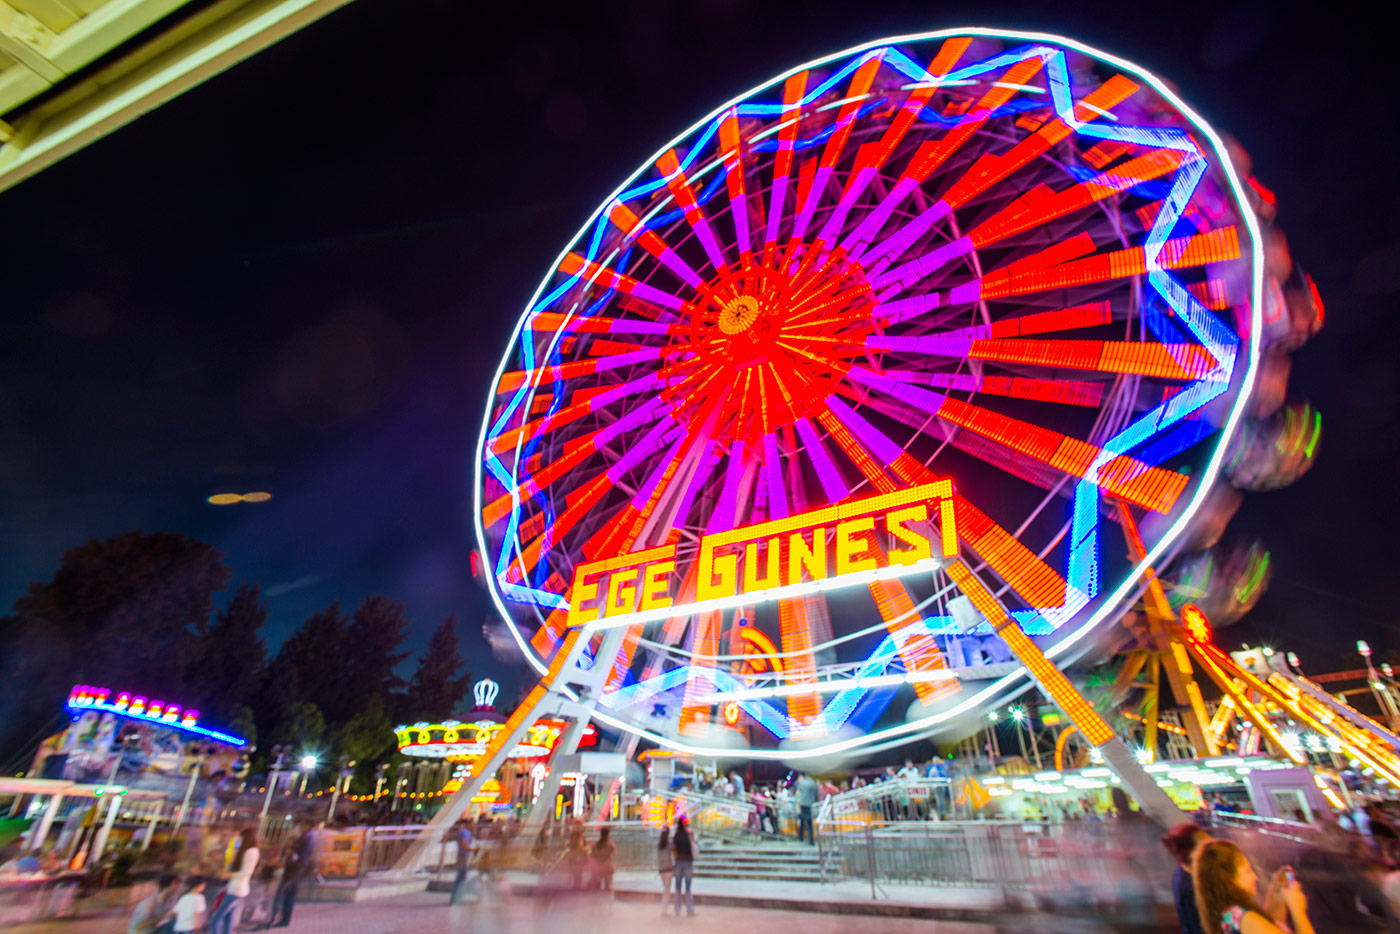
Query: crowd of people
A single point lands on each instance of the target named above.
(1344, 881)
(213, 899)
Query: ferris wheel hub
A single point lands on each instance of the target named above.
(778, 333)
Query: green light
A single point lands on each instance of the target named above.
(98, 792)
(1317, 432)
(1246, 587)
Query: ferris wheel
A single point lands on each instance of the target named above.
(1011, 274)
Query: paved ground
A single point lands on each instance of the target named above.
(427, 913)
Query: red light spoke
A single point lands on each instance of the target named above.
(670, 168)
(1163, 361)
(1150, 487)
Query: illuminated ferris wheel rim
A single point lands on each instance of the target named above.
(1068, 644)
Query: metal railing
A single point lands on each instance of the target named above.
(1084, 862)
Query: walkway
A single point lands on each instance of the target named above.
(633, 910)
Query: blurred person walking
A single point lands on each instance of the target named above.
(153, 913)
(191, 907)
(666, 865)
(240, 884)
(683, 846)
(1227, 893)
(1346, 885)
(807, 793)
(465, 841)
(301, 864)
(1181, 842)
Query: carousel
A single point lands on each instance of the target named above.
(518, 782)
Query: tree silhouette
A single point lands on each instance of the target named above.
(439, 683)
(126, 612)
(228, 672)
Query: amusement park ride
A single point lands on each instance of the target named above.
(879, 395)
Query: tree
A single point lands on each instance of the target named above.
(439, 683)
(370, 654)
(303, 727)
(229, 669)
(124, 612)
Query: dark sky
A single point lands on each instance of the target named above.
(299, 276)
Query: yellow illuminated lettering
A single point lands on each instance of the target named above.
(718, 573)
(622, 591)
(656, 587)
(811, 557)
(583, 591)
(919, 548)
(849, 549)
(752, 581)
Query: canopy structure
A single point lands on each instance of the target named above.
(72, 71)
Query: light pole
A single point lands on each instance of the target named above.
(993, 742)
(1018, 713)
(1378, 691)
(189, 791)
(379, 780)
(279, 759)
(347, 769)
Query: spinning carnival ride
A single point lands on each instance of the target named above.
(827, 431)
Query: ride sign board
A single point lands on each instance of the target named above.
(884, 536)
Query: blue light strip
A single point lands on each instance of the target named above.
(173, 724)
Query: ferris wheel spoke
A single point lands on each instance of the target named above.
(576, 453)
(733, 158)
(632, 226)
(670, 168)
(856, 92)
(592, 401)
(583, 268)
(1041, 204)
(982, 175)
(1180, 253)
(1151, 487)
(1034, 580)
(589, 496)
(828, 475)
(871, 157)
(793, 91)
(1154, 488)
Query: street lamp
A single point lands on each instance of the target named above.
(308, 765)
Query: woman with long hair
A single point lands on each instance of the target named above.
(601, 861)
(240, 884)
(666, 865)
(1227, 894)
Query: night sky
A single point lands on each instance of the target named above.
(299, 276)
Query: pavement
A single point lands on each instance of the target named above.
(723, 906)
(428, 913)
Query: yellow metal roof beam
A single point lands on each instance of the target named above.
(159, 70)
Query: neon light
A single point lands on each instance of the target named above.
(87, 697)
(722, 585)
(1082, 570)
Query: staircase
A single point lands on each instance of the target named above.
(768, 862)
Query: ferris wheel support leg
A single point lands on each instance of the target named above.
(545, 697)
(1165, 634)
(1117, 756)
